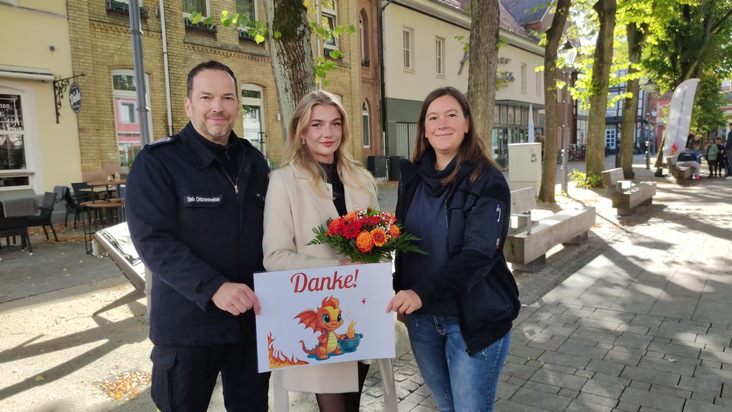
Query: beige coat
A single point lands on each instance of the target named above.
(291, 212)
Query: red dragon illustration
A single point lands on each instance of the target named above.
(326, 319)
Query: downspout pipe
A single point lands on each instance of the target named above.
(142, 109)
(380, 30)
(166, 68)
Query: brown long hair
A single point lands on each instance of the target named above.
(471, 149)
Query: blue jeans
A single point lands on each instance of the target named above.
(459, 382)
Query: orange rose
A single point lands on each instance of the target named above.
(351, 217)
(379, 237)
(394, 231)
(364, 242)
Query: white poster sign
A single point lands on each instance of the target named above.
(324, 315)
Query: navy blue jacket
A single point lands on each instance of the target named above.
(476, 273)
(194, 233)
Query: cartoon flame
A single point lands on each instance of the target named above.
(277, 359)
(351, 332)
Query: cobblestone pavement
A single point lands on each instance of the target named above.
(637, 318)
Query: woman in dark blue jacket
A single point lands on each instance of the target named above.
(460, 298)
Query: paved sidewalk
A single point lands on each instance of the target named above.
(635, 319)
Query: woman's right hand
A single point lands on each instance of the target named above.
(405, 301)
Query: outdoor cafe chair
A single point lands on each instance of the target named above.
(43, 219)
(72, 205)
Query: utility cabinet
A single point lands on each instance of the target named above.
(524, 166)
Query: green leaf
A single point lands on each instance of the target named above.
(195, 17)
(224, 15)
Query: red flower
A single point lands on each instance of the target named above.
(373, 220)
(351, 230)
(335, 227)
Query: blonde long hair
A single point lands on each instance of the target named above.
(351, 172)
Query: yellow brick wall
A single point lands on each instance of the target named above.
(101, 43)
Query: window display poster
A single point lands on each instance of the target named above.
(324, 315)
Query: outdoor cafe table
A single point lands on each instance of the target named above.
(104, 186)
(14, 215)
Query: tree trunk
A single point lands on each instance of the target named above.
(595, 154)
(291, 54)
(551, 135)
(635, 37)
(485, 25)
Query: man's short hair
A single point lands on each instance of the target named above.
(209, 65)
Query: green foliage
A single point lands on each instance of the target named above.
(583, 180)
(707, 114)
(257, 30)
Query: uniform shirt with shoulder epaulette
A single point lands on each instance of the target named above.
(195, 232)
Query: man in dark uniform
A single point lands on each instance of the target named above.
(195, 208)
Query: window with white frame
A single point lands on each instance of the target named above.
(192, 6)
(248, 9)
(252, 106)
(440, 57)
(366, 124)
(408, 48)
(329, 19)
(523, 78)
(126, 118)
(14, 171)
(539, 81)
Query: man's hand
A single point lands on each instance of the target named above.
(405, 301)
(236, 298)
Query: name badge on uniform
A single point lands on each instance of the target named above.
(203, 200)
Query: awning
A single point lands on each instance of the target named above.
(26, 73)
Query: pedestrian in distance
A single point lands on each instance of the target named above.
(690, 140)
(691, 158)
(459, 300)
(195, 206)
(728, 150)
(318, 180)
(721, 158)
(712, 152)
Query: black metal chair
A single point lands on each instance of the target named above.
(72, 204)
(43, 219)
(82, 192)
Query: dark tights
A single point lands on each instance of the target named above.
(343, 402)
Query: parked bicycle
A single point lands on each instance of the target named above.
(574, 152)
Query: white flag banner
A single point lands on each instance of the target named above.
(679, 117)
(531, 124)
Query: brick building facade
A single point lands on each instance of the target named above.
(101, 49)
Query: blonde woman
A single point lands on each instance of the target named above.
(319, 180)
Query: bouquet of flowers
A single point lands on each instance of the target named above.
(365, 235)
